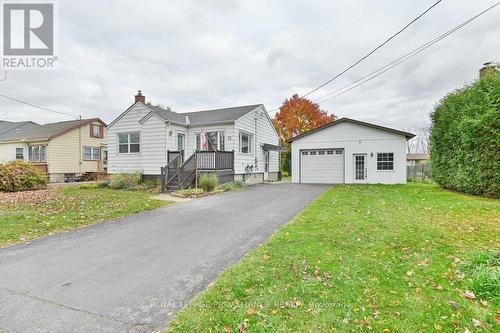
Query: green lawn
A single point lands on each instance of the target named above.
(28, 215)
(375, 258)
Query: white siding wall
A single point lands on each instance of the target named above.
(153, 145)
(265, 134)
(354, 139)
(8, 151)
(128, 123)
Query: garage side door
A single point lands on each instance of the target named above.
(322, 166)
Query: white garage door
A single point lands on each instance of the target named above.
(322, 166)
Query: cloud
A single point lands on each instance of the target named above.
(193, 55)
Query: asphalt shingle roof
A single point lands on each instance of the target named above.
(206, 116)
(44, 132)
(8, 128)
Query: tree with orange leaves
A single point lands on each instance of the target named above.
(298, 115)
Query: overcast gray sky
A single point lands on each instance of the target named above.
(194, 55)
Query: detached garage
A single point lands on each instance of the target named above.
(350, 151)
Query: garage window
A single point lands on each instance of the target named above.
(313, 153)
(385, 161)
(330, 152)
(321, 152)
(338, 152)
(305, 153)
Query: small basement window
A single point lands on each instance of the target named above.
(385, 161)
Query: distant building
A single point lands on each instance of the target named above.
(63, 150)
(414, 159)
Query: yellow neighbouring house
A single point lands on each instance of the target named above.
(64, 149)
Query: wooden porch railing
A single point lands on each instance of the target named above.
(215, 160)
(179, 174)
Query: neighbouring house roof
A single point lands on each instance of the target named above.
(204, 117)
(47, 131)
(353, 121)
(9, 127)
(417, 157)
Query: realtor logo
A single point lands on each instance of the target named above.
(28, 36)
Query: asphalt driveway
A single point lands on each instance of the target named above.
(135, 273)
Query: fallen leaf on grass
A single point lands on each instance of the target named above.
(228, 329)
(454, 304)
(250, 311)
(468, 295)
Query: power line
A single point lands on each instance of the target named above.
(374, 50)
(399, 60)
(37, 106)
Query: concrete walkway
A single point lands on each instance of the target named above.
(133, 274)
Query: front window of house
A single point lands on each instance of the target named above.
(245, 143)
(96, 131)
(128, 143)
(19, 153)
(37, 153)
(92, 153)
(385, 161)
(215, 140)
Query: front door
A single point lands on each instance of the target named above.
(266, 165)
(360, 170)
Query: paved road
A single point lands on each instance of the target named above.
(133, 274)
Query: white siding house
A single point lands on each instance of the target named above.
(149, 133)
(350, 151)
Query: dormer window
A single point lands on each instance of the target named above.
(96, 131)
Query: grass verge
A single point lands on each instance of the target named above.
(376, 258)
(33, 214)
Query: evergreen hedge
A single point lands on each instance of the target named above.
(465, 139)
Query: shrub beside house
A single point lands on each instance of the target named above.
(465, 138)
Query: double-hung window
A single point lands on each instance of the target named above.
(96, 131)
(19, 153)
(91, 153)
(385, 161)
(246, 143)
(128, 143)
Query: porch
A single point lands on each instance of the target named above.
(180, 174)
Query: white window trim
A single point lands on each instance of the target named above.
(128, 143)
(185, 139)
(250, 142)
(393, 161)
(19, 159)
(39, 160)
(92, 153)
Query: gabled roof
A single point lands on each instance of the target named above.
(204, 117)
(10, 127)
(47, 131)
(353, 121)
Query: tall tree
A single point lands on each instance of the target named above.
(298, 115)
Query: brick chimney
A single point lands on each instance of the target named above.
(139, 97)
(487, 69)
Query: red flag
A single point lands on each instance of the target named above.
(203, 140)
